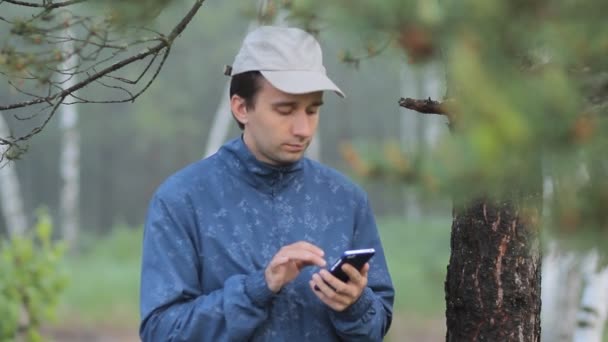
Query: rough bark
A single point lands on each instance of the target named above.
(493, 284)
(493, 281)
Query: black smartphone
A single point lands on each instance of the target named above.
(355, 257)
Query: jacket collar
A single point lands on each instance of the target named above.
(263, 176)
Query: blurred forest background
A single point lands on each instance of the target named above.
(127, 149)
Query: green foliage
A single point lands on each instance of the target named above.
(528, 81)
(31, 281)
(107, 287)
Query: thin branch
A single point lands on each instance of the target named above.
(15, 77)
(54, 100)
(92, 67)
(128, 81)
(179, 28)
(61, 39)
(371, 52)
(82, 84)
(427, 106)
(116, 87)
(41, 127)
(48, 6)
(160, 66)
(23, 91)
(135, 96)
(25, 118)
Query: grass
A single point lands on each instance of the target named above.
(104, 287)
(417, 254)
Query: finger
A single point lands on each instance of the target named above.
(365, 270)
(307, 246)
(304, 256)
(278, 260)
(338, 285)
(326, 294)
(328, 290)
(353, 274)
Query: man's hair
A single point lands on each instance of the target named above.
(246, 85)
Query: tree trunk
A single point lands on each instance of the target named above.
(222, 117)
(221, 123)
(561, 286)
(593, 309)
(12, 202)
(419, 134)
(493, 281)
(70, 157)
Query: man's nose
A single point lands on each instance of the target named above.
(302, 125)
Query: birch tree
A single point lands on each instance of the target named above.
(593, 308)
(69, 162)
(11, 200)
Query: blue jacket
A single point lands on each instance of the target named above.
(213, 227)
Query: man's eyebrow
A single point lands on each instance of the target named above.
(294, 103)
(284, 103)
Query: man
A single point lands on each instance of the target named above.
(235, 244)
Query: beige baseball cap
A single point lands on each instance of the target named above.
(289, 58)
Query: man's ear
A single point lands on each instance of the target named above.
(239, 109)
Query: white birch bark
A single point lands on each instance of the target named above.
(593, 309)
(560, 293)
(223, 117)
(419, 133)
(221, 123)
(10, 190)
(69, 164)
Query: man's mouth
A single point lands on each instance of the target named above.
(294, 147)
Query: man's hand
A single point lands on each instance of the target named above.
(289, 261)
(337, 294)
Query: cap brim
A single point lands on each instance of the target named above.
(301, 82)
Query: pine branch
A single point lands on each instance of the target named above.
(427, 106)
(99, 41)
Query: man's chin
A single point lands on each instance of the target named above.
(290, 158)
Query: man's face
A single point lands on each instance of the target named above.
(280, 126)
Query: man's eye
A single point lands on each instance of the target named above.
(285, 110)
(311, 111)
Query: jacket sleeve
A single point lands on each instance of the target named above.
(369, 318)
(173, 306)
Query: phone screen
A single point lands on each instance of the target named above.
(355, 257)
